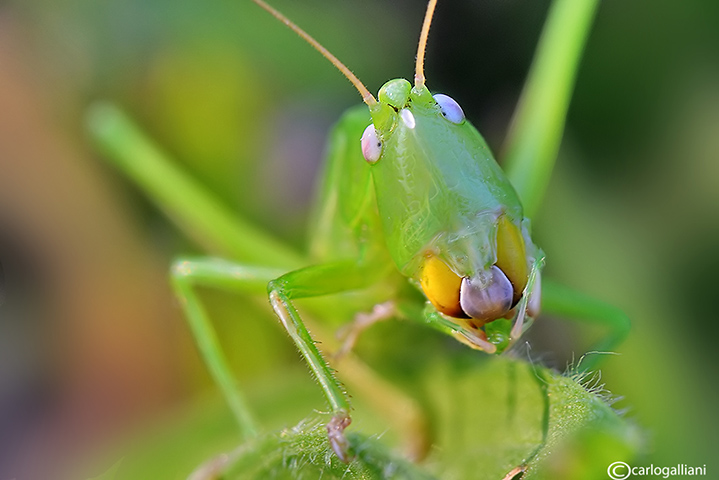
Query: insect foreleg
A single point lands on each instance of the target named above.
(311, 282)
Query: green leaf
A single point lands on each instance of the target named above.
(488, 416)
(303, 452)
(505, 413)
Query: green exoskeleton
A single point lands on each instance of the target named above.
(412, 199)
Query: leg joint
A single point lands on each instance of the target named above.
(278, 285)
(181, 268)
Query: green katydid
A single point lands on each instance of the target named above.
(411, 196)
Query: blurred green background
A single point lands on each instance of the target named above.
(92, 345)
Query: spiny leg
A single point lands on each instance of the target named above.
(310, 282)
(568, 303)
(400, 410)
(333, 391)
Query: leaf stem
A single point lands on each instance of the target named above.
(536, 130)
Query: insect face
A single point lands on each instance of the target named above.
(452, 220)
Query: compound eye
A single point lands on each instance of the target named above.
(449, 108)
(371, 144)
(487, 302)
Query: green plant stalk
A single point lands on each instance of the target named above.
(209, 222)
(536, 130)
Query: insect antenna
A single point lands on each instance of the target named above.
(367, 97)
(422, 47)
